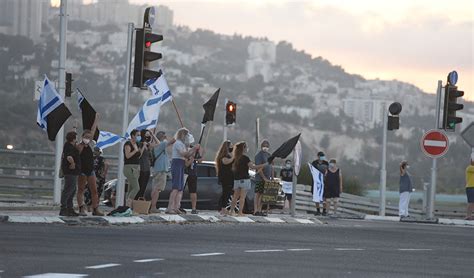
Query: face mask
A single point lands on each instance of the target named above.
(408, 166)
(332, 165)
(265, 149)
(247, 150)
(86, 141)
(138, 138)
(288, 166)
(323, 158)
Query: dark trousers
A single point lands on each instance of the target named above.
(226, 193)
(142, 182)
(67, 195)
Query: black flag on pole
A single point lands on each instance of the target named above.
(52, 112)
(88, 113)
(284, 150)
(210, 107)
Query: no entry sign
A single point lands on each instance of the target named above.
(435, 143)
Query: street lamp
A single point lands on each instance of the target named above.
(9, 147)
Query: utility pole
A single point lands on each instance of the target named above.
(121, 179)
(383, 170)
(225, 122)
(61, 91)
(432, 193)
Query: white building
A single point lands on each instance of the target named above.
(22, 18)
(262, 55)
(366, 111)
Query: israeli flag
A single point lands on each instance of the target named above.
(159, 87)
(108, 139)
(52, 112)
(318, 184)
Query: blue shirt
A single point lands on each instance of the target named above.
(162, 163)
(262, 158)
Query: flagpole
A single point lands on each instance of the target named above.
(207, 135)
(177, 112)
(61, 91)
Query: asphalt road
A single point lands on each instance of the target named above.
(341, 248)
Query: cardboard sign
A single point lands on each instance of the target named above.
(270, 192)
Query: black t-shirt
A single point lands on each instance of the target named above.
(242, 168)
(70, 150)
(87, 160)
(135, 159)
(286, 174)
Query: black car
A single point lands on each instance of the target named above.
(208, 191)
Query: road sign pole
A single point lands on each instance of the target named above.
(120, 190)
(383, 170)
(432, 194)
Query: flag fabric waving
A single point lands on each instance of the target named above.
(108, 139)
(147, 116)
(88, 113)
(159, 86)
(210, 107)
(285, 149)
(318, 184)
(52, 112)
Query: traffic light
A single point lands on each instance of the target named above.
(451, 106)
(68, 84)
(231, 113)
(143, 54)
(393, 119)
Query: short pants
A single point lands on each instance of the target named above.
(259, 186)
(243, 184)
(191, 182)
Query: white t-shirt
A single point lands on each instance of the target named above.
(178, 148)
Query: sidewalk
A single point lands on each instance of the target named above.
(442, 221)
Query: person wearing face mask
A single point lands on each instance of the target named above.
(148, 142)
(263, 175)
(71, 166)
(131, 168)
(322, 165)
(333, 186)
(286, 175)
(405, 189)
(224, 160)
(87, 177)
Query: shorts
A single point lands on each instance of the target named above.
(259, 186)
(159, 180)
(243, 184)
(177, 174)
(470, 194)
(92, 174)
(191, 182)
(288, 196)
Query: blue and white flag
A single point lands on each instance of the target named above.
(52, 112)
(159, 87)
(318, 184)
(108, 139)
(147, 117)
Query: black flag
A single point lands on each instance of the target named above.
(284, 150)
(88, 114)
(210, 107)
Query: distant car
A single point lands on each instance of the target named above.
(208, 191)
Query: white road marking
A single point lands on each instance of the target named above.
(243, 219)
(148, 260)
(304, 221)
(275, 220)
(349, 249)
(57, 275)
(264, 251)
(173, 218)
(302, 249)
(207, 254)
(433, 143)
(119, 220)
(35, 219)
(101, 266)
(209, 218)
(413, 249)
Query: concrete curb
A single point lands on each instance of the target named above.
(442, 221)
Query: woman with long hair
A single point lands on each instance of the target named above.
(240, 167)
(148, 141)
(223, 162)
(179, 155)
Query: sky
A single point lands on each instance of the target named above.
(417, 41)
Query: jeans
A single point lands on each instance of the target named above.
(132, 173)
(67, 195)
(403, 204)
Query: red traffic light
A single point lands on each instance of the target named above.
(148, 44)
(231, 108)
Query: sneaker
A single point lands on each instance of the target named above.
(82, 211)
(63, 212)
(72, 212)
(194, 211)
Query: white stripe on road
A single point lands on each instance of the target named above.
(243, 219)
(173, 218)
(264, 251)
(148, 260)
(101, 266)
(302, 249)
(304, 221)
(210, 218)
(35, 219)
(57, 275)
(207, 254)
(349, 249)
(413, 249)
(275, 220)
(433, 143)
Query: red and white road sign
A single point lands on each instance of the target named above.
(435, 143)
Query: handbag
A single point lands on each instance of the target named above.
(141, 206)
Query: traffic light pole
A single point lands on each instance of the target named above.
(383, 170)
(225, 123)
(61, 89)
(432, 193)
(120, 189)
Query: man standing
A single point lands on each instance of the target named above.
(470, 189)
(192, 179)
(286, 175)
(322, 165)
(161, 167)
(261, 176)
